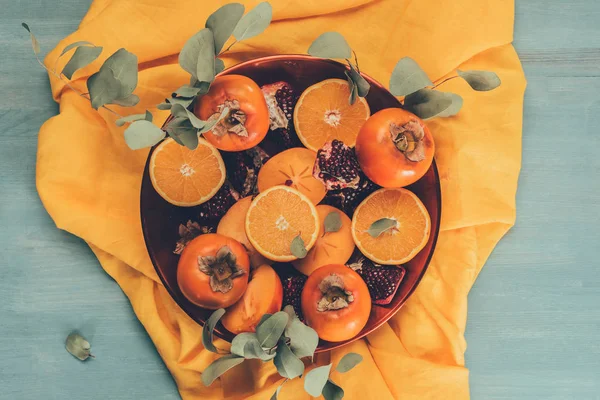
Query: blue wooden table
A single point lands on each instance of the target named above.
(534, 313)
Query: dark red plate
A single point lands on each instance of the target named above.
(160, 220)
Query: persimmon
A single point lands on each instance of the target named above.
(247, 121)
(213, 271)
(394, 148)
(336, 302)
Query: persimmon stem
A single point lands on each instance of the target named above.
(444, 81)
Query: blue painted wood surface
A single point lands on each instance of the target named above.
(534, 313)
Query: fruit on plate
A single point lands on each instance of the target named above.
(394, 148)
(213, 271)
(281, 99)
(336, 302)
(232, 225)
(276, 218)
(185, 177)
(263, 296)
(247, 120)
(211, 211)
(292, 291)
(323, 114)
(383, 281)
(333, 247)
(292, 168)
(242, 169)
(391, 226)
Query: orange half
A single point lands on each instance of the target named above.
(400, 243)
(185, 177)
(323, 113)
(275, 217)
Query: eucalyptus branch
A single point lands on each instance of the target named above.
(356, 61)
(444, 81)
(228, 48)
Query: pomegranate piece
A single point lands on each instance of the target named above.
(383, 281)
(281, 99)
(292, 289)
(242, 169)
(211, 212)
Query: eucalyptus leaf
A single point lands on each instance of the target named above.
(103, 88)
(74, 45)
(315, 380)
(222, 23)
(333, 222)
(289, 309)
(361, 83)
(34, 42)
(457, 103)
(188, 91)
(198, 56)
(353, 88)
(380, 226)
(303, 339)
(482, 81)
(124, 66)
(143, 133)
(408, 77)
(274, 397)
(254, 22)
(164, 106)
(185, 102)
(264, 318)
(271, 329)
(128, 101)
(331, 391)
(219, 65)
(348, 362)
(148, 116)
(209, 326)
(180, 111)
(182, 131)
(246, 345)
(130, 118)
(286, 362)
(78, 346)
(82, 57)
(219, 367)
(330, 45)
(298, 248)
(429, 103)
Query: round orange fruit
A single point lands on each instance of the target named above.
(391, 226)
(323, 113)
(276, 217)
(185, 177)
(293, 168)
(333, 247)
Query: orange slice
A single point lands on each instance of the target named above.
(293, 168)
(185, 177)
(403, 241)
(331, 247)
(275, 217)
(323, 113)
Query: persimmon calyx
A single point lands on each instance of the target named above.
(233, 123)
(408, 139)
(222, 269)
(334, 295)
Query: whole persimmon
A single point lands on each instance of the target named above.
(247, 121)
(394, 148)
(213, 271)
(336, 302)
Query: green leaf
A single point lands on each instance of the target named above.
(286, 362)
(148, 116)
(143, 133)
(271, 329)
(429, 103)
(246, 345)
(353, 88)
(103, 88)
(198, 56)
(182, 131)
(128, 101)
(330, 45)
(331, 391)
(222, 23)
(297, 247)
(188, 91)
(254, 22)
(78, 346)
(124, 66)
(482, 81)
(264, 318)
(289, 309)
(209, 326)
(380, 226)
(274, 397)
(333, 222)
(185, 102)
(219, 367)
(348, 362)
(76, 44)
(34, 43)
(219, 65)
(164, 106)
(315, 380)
(177, 110)
(408, 77)
(130, 118)
(361, 83)
(211, 123)
(82, 57)
(303, 339)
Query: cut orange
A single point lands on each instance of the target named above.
(185, 177)
(276, 216)
(323, 113)
(293, 168)
(401, 242)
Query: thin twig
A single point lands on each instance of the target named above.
(228, 48)
(356, 61)
(444, 81)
